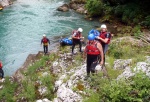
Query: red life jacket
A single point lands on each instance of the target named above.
(1, 65)
(78, 34)
(45, 40)
(104, 35)
(91, 48)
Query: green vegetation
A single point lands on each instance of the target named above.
(136, 89)
(8, 91)
(33, 79)
(131, 12)
(94, 7)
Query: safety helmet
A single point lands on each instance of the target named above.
(80, 29)
(44, 35)
(103, 26)
(91, 37)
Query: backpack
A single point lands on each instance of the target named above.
(45, 40)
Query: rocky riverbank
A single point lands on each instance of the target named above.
(59, 76)
(4, 3)
(69, 71)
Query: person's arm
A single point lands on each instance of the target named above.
(74, 36)
(103, 40)
(99, 46)
(49, 41)
(107, 38)
(84, 54)
(41, 41)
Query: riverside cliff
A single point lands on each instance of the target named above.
(59, 76)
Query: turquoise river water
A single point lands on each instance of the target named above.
(23, 24)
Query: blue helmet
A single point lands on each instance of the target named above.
(91, 37)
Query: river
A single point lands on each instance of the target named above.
(23, 24)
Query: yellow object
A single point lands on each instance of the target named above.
(45, 44)
(1, 8)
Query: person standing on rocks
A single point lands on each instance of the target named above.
(104, 38)
(76, 39)
(1, 70)
(45, 41)
(93, 52)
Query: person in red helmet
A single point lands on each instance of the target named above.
(94, 53)
(45, 41)
(76, 39)
(1, 70)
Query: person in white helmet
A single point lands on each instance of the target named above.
(76, 39)
(104, 38)
(45, 41)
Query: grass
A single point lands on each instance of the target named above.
(7, 93)
(27, 89)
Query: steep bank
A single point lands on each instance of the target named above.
(70, 72)
(59, 76)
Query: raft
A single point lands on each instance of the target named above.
(66, 41)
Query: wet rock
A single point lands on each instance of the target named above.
(4, 3)
(80, 10)
(64, 8)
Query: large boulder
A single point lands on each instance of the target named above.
(64, 8)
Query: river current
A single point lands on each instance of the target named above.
(23, 23)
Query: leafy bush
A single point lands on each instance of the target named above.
(137, 89)
(94, 7)
(146, 22)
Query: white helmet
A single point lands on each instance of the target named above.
(80, 29)
(103, 26)
(44, 35)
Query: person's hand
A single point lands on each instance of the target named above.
(101, 63)
(97, 37)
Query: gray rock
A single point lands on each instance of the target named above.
(121, 63)
(63, 8)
